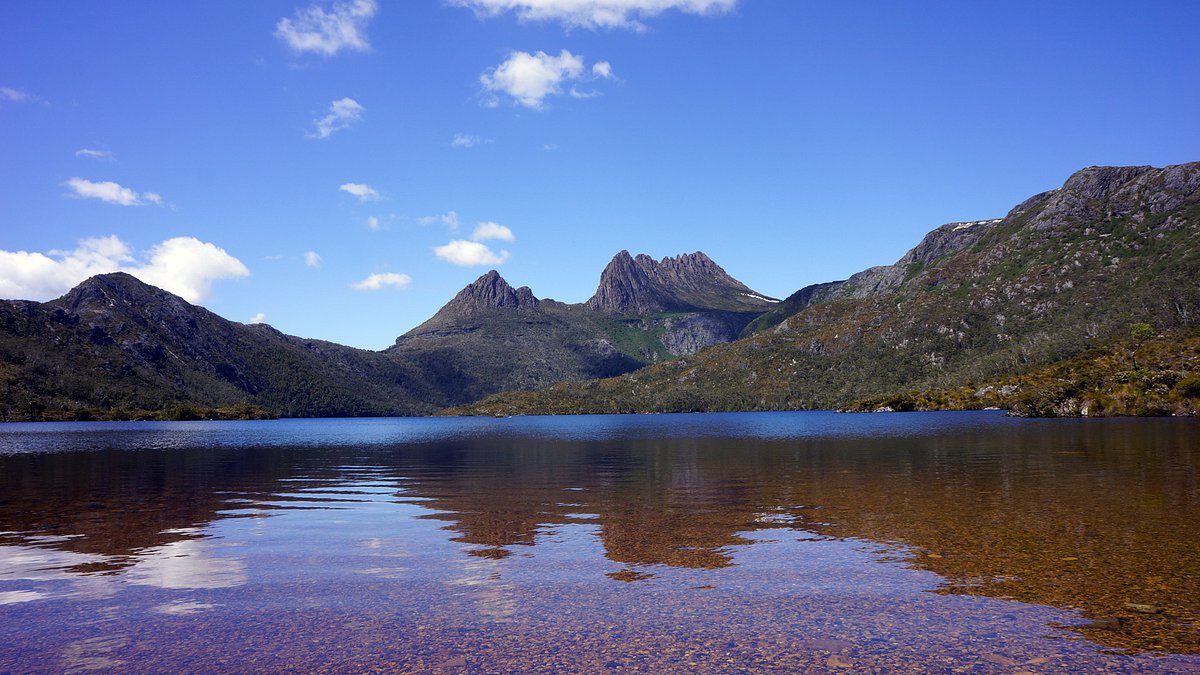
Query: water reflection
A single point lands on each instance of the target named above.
(481, 524)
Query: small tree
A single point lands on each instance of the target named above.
(1140, 332)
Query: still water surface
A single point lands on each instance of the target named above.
(685, 543)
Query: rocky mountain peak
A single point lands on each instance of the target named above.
(1099, 182)
(122, 293)
(491, 291)
(1106, 192)
(488, 293)
(641, 285)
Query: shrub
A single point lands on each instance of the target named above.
(1189, 386)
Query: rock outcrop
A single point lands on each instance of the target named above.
(488, 292)
(689, 282)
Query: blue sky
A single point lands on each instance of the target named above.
(296, 162)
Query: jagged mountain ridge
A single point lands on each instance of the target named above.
(492, 337)
(1065, 271)
(114, 341)
(689, 282)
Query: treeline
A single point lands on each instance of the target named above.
(180, 412)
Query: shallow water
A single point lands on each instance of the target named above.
(764, 541)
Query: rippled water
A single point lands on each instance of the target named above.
(767, 541)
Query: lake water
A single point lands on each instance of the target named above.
(942, 542)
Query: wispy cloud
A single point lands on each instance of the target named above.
(103, 155)
(313, 29)
(364, 192)
(529, 79)
(449, 219)
(313, 259)
(468, 141)
(258, 318)
(473, 252)
(16, 95)
(594, 13)
(374, 223)
(381, 280)
(184, 266)
(111, 193)
(342, 114)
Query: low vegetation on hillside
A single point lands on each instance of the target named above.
(1141, 377)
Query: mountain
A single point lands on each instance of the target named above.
(114, 342)
(1065, 272)
(492, 337)
(691, 282)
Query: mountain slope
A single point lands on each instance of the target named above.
(1065, 271)
(114, 341)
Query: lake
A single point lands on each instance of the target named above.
(685, 543)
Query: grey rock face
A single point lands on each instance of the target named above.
(1101, 192)
(641, 285)
(940, 242)
(689, 334)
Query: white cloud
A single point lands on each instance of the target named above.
(342, 113)
(344, 26)
(111, 193)
(313, 259)
(594, 13)
(449, 219)
(381, 280)
(489, 230)
(11, 94)
(549, 147)
(373, 222)
(468, 141)
(258, 318)
(530, 78)
(602, 70)
(188, 267)
(469, 253)
(364, 192)
(183, 265)
(104, 155)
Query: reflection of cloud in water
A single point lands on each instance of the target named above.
(13, 597)
(30, 563)
(182, 608)
(54, 574)
(481, 577)
(186, 564)
(37, 566)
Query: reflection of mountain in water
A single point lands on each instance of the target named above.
(652, 505)
(1073, 515)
